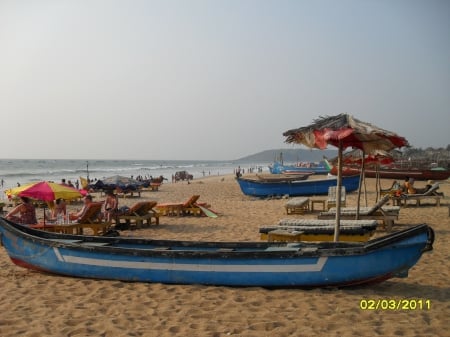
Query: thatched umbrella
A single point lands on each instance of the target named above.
(344, 131)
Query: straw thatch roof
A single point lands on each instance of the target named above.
(345, 131)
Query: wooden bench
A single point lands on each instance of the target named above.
(297, 206)
(139, 220)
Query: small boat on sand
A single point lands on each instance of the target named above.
(396, 173)
(279, 177)
(295, 187)
(265, 264)
(279, 168)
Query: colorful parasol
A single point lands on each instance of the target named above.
(45, 191)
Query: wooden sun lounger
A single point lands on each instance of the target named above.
(379, 212)
(332, 192)
(189, 207)
(297, 205)
(294, 230)
(140, 213)
(90, 220)
(430, 194)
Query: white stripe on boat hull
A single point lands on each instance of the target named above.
(188, 267)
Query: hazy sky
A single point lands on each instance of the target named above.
(217, 79)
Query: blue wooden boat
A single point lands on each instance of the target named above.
(278, 168)
(295, 188)
(266, 264)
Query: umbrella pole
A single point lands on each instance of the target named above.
(338, 194)
(361, 179)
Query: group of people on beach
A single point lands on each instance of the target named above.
(408, 187)
(25, 211)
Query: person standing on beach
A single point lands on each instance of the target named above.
(110, 206)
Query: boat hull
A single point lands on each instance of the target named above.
(278, 168)
(295, 188)
(217, 263)
(399, 174)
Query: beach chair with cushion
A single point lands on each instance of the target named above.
(379, 211)
(140, 213)
(295, 229)
(298, 205)
(92, 219)
(331, 200)
(394, 190)
(431, 193)
(189, 207)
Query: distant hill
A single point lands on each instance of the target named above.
(289, 156)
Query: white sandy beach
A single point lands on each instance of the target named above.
(36, 304)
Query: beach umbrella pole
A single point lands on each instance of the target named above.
(361, 180)
(338, 194)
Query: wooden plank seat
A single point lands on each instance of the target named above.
(298, 205)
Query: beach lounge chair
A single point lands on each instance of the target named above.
(138, 214)
(331, 200)
(294, 230)
(298, 205)
(90, 220)
(189, 207)
(387, 214)
(395, 189)
(431, 193)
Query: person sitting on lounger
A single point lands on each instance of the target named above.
(87, 201)
(410, 186)
(26, 212)
(59, 210)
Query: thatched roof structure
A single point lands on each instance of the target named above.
(345, 131)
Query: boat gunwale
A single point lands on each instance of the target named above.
(292, 250)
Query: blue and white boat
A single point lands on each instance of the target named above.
(257, 188)
(266, 264)
(279, 168)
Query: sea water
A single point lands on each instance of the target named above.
(23, 171)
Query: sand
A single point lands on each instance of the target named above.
(37, 304)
